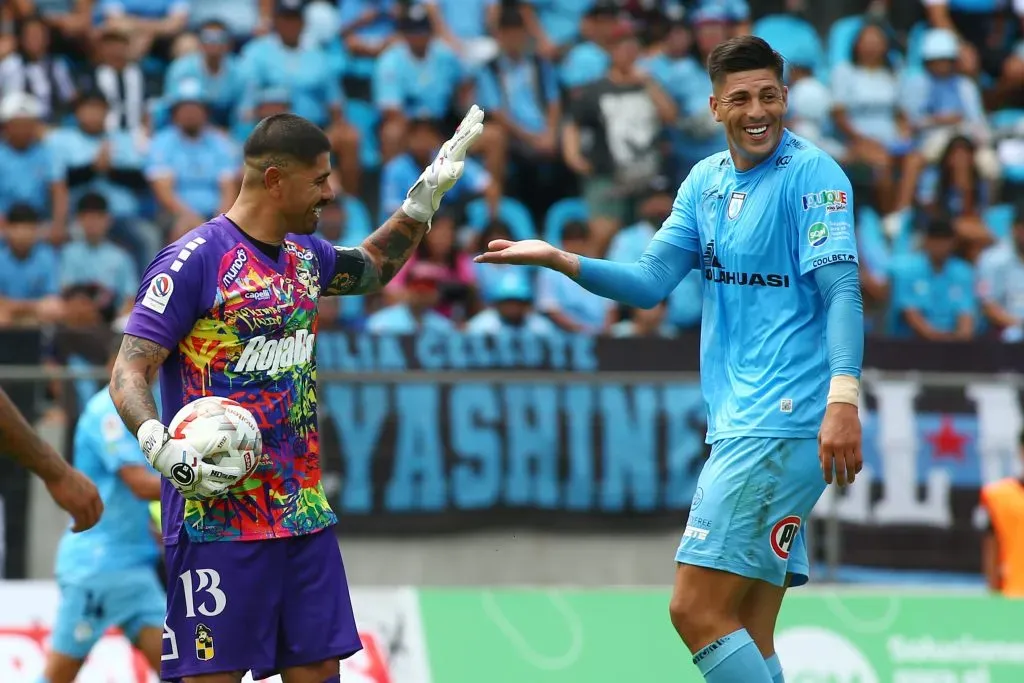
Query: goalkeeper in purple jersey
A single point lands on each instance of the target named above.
(255, 577)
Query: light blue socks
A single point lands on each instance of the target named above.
(733, 659)
(775, 669)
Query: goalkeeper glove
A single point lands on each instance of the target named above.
(424, 197)
(183, 465)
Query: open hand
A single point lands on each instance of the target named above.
(529, 253)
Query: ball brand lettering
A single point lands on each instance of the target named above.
(273, 355)
(241, 258)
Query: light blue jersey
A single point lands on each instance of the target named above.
(760, 234)
(122, 539)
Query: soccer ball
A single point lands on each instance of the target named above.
(222, 430)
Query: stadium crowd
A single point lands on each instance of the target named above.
(122, 122)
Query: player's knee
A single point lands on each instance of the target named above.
(694, 617)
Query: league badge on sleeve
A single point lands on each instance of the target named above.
(161, 287)
(204, 643)
(736, 200)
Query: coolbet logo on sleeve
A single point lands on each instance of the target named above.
(159, 293)
(273, 355)
(832, 200)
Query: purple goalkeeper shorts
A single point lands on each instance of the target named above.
(259, 606)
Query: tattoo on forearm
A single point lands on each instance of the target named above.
(388, 249)
(136, 367)
(21, 442)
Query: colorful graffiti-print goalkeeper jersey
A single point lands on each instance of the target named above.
(242, 325)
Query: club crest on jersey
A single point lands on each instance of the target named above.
(204, 643)
(736, 200)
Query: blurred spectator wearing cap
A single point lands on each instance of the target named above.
(281, 59)
(28, 271)
(192, 167)
(415, 313)
(121, 80)
(512, 311)
(940, 103)
(34, 69)
(1001, 283)
(611, 138)
(590, 60)
(216, 69)
(32, 171)
(452, 267)
(466, 26)
(867, 115)
(564, 301)
(424, 142)
(92, 258)
(645, 322)
(418, 76)
(151, 25)
(519, 91)
(110, 163)
(933, 290)
(242, 18)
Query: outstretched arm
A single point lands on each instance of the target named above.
(130, 382)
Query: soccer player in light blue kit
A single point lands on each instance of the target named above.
(107, 575)
(770, 224)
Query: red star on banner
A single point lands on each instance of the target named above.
(947, 442)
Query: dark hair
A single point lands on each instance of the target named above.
(868, 25)
(92, 202)
(22, 213)
(939, 228)
(511, 17)
(743, 53)
(213, 23)
(281, 137)
(578, 230)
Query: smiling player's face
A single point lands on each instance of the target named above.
(308, 190)
(751, 105)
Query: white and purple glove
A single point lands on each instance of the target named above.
(183, 465)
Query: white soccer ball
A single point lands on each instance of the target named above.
(222, 430)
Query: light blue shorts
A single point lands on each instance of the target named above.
(747, 517)
(130, 600)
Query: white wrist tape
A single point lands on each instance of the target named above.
(844, 389)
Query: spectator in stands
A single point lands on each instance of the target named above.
(941, 104)
(281, 60)
(1001, 283)
(192, 167)
(933, 290)
(93, 259)
(466, 26)
(216, 69)
(30, 170)
(416, 77)
(424, 141)
(453, 269)
(87, 307)
(554, 25)
(512, 311)
(70, 22)
(266, 102)
(866, 112)
(110, 163)
(151, 25)
(415, 313)
(611, 138)
(735, 12)
(569, 306)
(367, 29)
(519, 91)
(956, 189)
(121, 80)
(641, 322)
(35, 69)
(809, 114)
(671, 56)
(590, 60)
(242, 18)
(700, 135)
(28, 271)
(1002, 547)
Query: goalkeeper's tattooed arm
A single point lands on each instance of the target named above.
(134, 371)
(379, 258)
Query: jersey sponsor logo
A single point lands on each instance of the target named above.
(784, 535)
(817, 234)
(833, 258)
(273, 355)
(796, 144)
(695, 533)
(159, 292)
(261, 295)
(831, 200)
(241, 258)
(714, 271)
(783, 162)
(736, 200)
(304, 254)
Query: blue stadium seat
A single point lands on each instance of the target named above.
(560, 213)
(788, 35)
(999, 219)
(365, 117)
(358, 224)
(1006, 118)
(510, 210)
